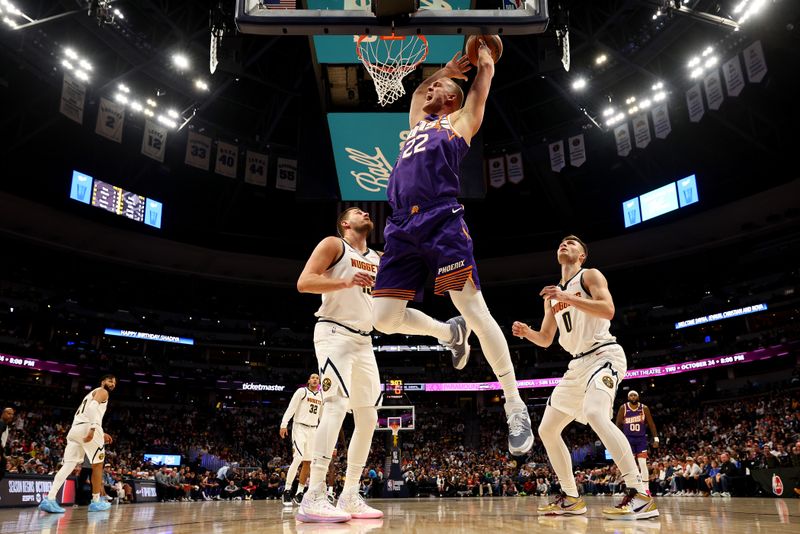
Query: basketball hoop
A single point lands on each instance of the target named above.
(216, 39)
(389, 59)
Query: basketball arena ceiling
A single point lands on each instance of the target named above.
(270, 94)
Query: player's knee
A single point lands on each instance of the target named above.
(386, 318)
(546, 433)
(597, 414)
(365, 418)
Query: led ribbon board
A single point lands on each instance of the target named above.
(720, 316)
(342, 48)
(149, 337)
(365, 148)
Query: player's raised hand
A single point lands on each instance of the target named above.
(107, 439)
(457, 66)
(361, 279)
(553, 293)
(283, 432)
(519, 329)
(90, 436)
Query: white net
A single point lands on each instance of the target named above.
(216, 37)
(388, 59)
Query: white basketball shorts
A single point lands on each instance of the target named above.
(76, 448)
(303, 441)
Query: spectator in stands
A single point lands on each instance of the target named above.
(727, 470)
(691, 476)
(274, 485)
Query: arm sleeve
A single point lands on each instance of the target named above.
(92, 411)
(293, 404)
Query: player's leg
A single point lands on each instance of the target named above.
(597, 408)
(297, 460)
(73, 456)
(364, 397)
(333, 355)
(641, 459)
(470, 303)
(568, 502)
(95, 451)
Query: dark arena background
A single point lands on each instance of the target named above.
(168, 168)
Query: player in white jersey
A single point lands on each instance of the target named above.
(305, 408)
(580, 307)
(85, 438)
(342, 269)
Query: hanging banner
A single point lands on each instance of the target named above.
(661, 122)
(754, 62)
(557, 156)
(227, 159)
(514, 168)
(694, 103)
(577, 150)
(734, 81)
(641, 130)
(198, 150)
(286, 174)
(497, 172)
(154, 141)
(714, 94)
(73, 95)
(110, 117)
(255, 171)
(623, 138)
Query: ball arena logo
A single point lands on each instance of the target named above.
(251, 386)
(777, 485)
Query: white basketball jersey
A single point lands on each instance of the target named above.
(309, 410)
(351, 307)
(577, 330)
(82, 417)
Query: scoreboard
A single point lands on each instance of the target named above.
(394, 389)
(116, 200)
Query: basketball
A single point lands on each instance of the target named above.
(492, 41)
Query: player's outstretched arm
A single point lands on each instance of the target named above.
(455, 68)
(470, 117)
(324, 256)
(542, 337)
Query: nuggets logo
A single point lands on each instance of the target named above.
(101, 456)
(326, 384)
(607, 380)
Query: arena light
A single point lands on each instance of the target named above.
(148, 112)
(696, 73)
(579, 84)
(630, 100)
(85, 65)
(693, 62)
(82, 75)
(657, 86)
(608, 112)
(151, 102)
(119, 14)
(136, 106)
(633, 110)
(9, 22)
(172, 113)
(166, 121)
(599, 60)
(200, 84)
(710, 62)
(658, 97)
(180, 61)
(644, 104)
(740, 7)
(708, 51)
(121, 98)
(124, 88)
(71, 54)
(67, 65)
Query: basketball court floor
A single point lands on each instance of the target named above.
(488, 516)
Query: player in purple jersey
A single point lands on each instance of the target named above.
(427, 232)
(631, 418)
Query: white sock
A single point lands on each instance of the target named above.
(597, 407)
(394, 316)
(470, 303)
(95, 497)
(553, 423)
(300, 488)
(365, 420)
(335, 409)
(65, 471)
(330, 490)
(644, 471)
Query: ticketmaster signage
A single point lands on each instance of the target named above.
(148, 336)
(365, 148)
(250, 386)
(342, 48)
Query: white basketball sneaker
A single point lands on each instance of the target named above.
(351, 502)
(315, 507)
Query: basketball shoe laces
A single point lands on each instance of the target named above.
(560, 498)
(515, 424)
(355, 500)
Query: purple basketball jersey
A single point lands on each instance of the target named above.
(634, 423)
(428, 167)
